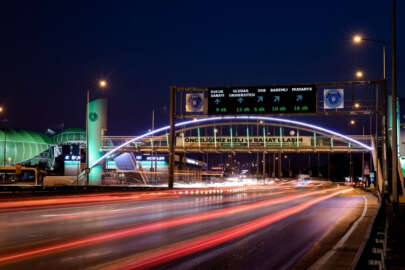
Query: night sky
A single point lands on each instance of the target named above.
(51, 51)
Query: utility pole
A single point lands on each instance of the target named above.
(264, 164)
(4, 155)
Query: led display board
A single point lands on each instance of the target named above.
(262, 100)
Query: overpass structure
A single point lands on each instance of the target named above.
(238, 136)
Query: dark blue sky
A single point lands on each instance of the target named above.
(53, 50)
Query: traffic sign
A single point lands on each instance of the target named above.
(333, 98)
(195, 102)
(262, 100)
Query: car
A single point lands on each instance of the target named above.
(304, 177)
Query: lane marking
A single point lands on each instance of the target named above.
(322, 261)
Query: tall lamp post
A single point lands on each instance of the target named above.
(357, 39)
(5, 140)
(101, 84)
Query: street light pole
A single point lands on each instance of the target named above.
(5, 141)
(4, 157)
(359, 39)
(87, 136)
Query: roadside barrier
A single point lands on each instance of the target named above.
(375, 248)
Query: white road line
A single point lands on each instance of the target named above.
(322, 261)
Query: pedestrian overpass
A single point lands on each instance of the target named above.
(240, 134)
(241, 137)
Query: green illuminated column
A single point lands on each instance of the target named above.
(97, 121)
(390, 114)
(231, 137)
(199, 139)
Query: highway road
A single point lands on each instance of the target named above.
(261, 227)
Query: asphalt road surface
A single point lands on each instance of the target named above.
(263, 227)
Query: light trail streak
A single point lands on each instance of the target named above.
(57, 202)
(68, 201)
(96, 198)
(169, 253)
(140, 209)
(160, 225)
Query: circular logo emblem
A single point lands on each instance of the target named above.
(195, 101)
(93, 116)
(333, 99)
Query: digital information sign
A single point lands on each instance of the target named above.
(262, 100)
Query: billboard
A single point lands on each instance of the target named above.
(262, 100)
(243, 141)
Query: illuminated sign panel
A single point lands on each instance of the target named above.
(243, 141)
(262, 100)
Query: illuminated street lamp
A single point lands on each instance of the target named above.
(356, 105)
(357, 38)
(1, 109)
(352, 122)
(102, 83)
(359, 74)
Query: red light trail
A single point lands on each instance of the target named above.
(169, 253)
(155, 226)
(131, 210)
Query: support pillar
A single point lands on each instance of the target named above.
(172, 138)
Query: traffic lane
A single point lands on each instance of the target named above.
(56, 213)
(10, 203)
(31, 235)
(112, 250)
(100, 253)
(277, 246)
(52, 212)
(45, 202)
(61, 229)
(16, 204)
